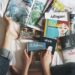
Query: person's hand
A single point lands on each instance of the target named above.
(27, 58)
(46, 58)
(27, 61)
(13, 28)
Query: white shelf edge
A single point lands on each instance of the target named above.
(26, 40)
(36, 28)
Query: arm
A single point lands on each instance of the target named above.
(27, 62)
(11, 33)
(45, 62)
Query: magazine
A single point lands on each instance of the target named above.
(47, 7)
(68, 47)
(19, 10)
(36, 12)
(56, 24)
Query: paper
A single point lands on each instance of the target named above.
(3, 6)
(63, 5)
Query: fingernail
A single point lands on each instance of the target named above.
(50, 48)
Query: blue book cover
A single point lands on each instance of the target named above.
(55, 28)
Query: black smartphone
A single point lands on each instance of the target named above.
(36, 46)
(49, 42)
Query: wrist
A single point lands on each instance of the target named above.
(46, 69)
(26, 68)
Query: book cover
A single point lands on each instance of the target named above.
(56, 25)
(36, 12)
(19, 10)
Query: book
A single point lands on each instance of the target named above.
(36, 46)
(49, 42)
(19, 10)
(62, 16)
(26, 33)
(36, 12)
(56, 24)
(29, 33)
(58, 5)
(47, 6)
(68, 47)
(68, 42)
(3, 7)
(72, 19)
(63, 5)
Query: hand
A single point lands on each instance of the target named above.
(27, 58)
(13, 28)
(46, 58)
(27, 61)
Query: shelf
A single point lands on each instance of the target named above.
(35, 27)
(26, 40)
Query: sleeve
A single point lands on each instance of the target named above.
(4, 61)
(4, 65)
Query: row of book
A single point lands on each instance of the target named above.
(26, 12)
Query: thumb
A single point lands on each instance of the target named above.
(31, 54)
